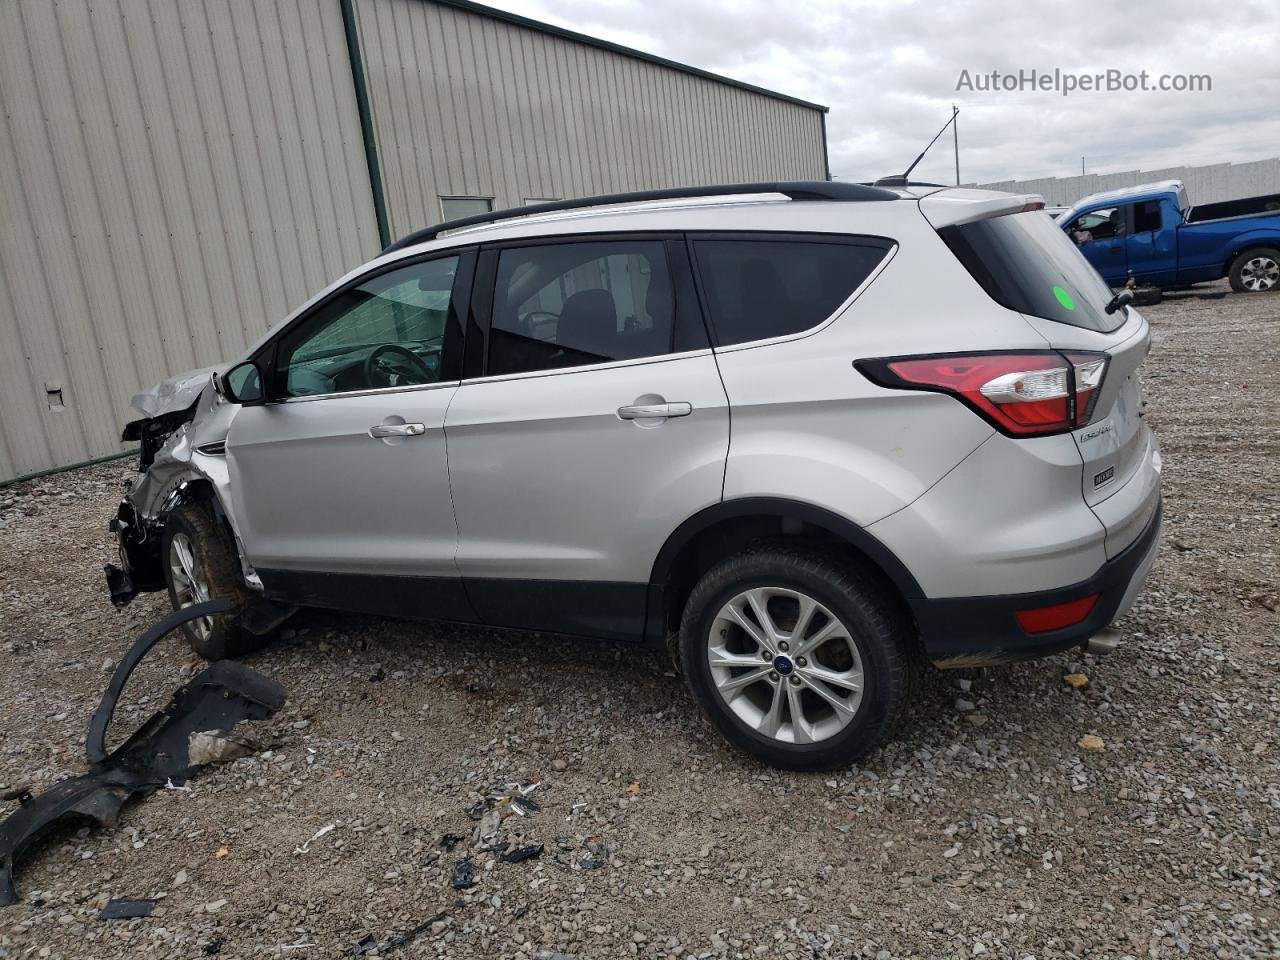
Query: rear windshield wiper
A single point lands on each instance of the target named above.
(1121, 299)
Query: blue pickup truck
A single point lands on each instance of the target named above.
(1153, 234)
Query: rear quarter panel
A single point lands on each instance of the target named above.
(807, 426)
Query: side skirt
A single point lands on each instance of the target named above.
(585, 608)
(412, 598)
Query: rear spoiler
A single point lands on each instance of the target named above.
(946, 208)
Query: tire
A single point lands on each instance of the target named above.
(1256, 270)
(869, 640)
(211, 571)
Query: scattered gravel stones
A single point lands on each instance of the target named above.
(983, 833)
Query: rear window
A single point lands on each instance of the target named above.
(1027, 263)
(762, 287)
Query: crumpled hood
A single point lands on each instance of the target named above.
(175, 393)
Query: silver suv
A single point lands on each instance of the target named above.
(798, 433)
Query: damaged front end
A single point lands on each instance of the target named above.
(182, 457)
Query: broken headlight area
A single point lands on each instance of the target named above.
(172, 746)
(140, 569)
(151, 433)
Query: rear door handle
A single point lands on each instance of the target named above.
(379, 430)
(653, 411)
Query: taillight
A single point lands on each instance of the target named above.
(1089, 369)
(1022, 394)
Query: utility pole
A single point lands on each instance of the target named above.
(1082, 166)
(955, 138)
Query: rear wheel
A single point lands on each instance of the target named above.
(1256, 271)
(796, 658)
(200, 563)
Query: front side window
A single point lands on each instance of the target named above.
(571, 304)
(386, 332)
(758, 288)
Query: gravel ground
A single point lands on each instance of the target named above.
(985, 831)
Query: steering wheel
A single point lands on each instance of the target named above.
(378, 369)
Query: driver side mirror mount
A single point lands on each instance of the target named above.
(242, 384)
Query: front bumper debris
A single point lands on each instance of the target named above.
(218, 698)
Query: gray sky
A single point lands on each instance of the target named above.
(889, 73)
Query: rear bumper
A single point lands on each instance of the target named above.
(983, 631)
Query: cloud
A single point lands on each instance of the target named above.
(889, 70)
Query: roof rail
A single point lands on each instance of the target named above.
(795, 190)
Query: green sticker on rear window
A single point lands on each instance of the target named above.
(1064, 298)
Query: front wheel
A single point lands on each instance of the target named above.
(796, 658)
(200, 563)
(1256, 271)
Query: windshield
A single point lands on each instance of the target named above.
(1024, 261)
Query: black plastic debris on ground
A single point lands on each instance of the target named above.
(219, 697)
(478, 809)
(127, 909)
(369, 943)
(450, 840)
(525, 805)
(520, 854)
(595, 857)
(464, 874)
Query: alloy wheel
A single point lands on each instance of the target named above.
(1259, 274)
(189, 584)
(785, 665)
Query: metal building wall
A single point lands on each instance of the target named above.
(174, 178)
(467, 104)
(1207, 184)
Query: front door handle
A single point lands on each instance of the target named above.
(654, 411)
(381, 430)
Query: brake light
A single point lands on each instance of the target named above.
(1044, 619)
(1022, 394)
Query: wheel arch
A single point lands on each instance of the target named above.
(727, 527)
(1247, 242)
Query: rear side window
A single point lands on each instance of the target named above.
(760, 287)
(1024, 261)
(573, 304)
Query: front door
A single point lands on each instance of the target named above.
(341, 479)
(598, 424)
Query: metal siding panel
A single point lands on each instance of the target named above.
(173, 178)
(177, 176)
(1205, 184)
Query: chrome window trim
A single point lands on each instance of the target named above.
(372, 392)
(610, 365)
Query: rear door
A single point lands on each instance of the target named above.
(1151, 243)
(593, 424)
